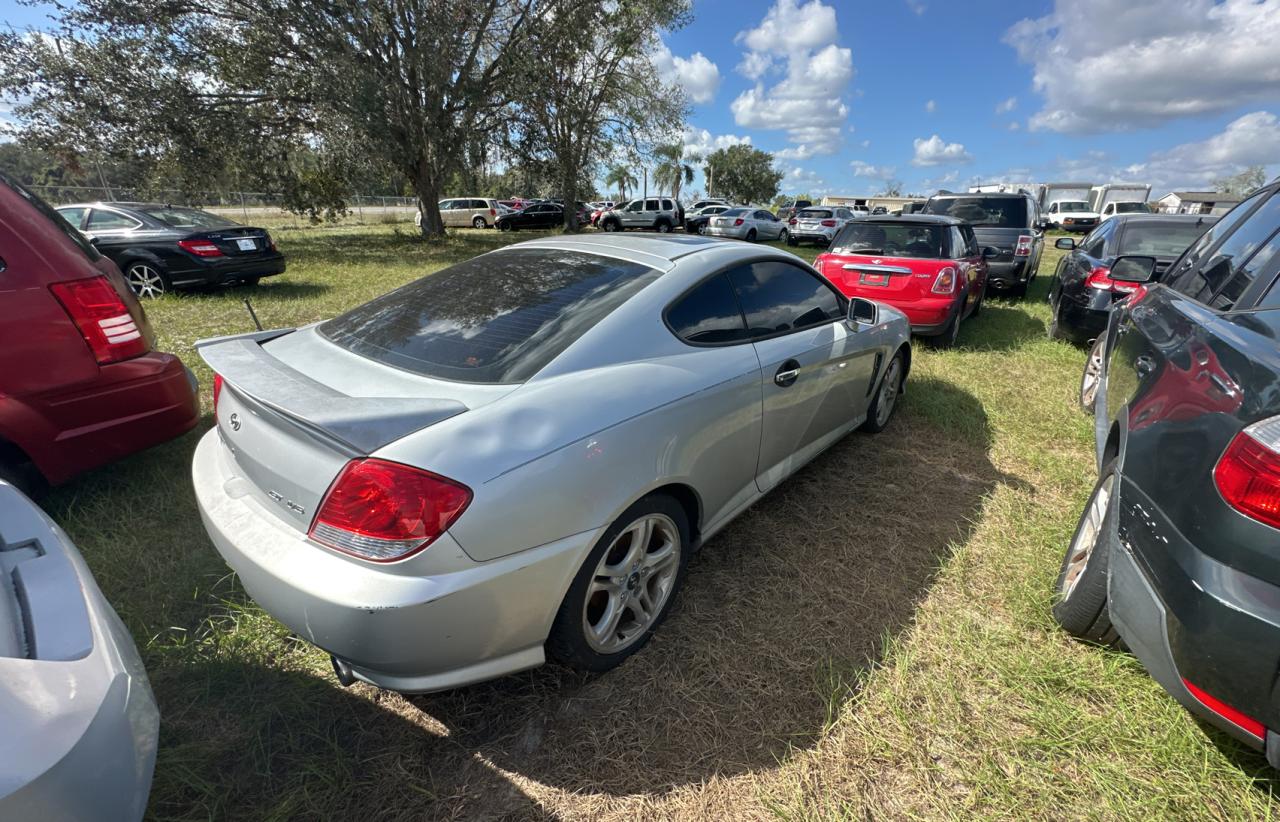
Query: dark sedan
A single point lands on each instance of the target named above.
(538, 215)
(697, 223)
(163, 247)
(1084, 288)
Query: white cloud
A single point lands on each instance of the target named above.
(1015, 125)
(935, 152)
(1253, 139)
(950, 178)
(917, 7)
(698, 76)
(861, 169)
(1112, 65)
(865, 144)
(1006, 106)
(797, 41)
(698, 142)
(931, 107)
(796, 178)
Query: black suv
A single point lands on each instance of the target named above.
(1007, 222)
(1178, 550)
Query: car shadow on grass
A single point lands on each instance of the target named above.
(780, 616)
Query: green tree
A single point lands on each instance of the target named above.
(743, 174)
(672, 171)
(620, 176)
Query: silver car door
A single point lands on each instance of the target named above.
(815, 370)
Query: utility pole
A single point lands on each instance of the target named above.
(646, 182)
(711, 178)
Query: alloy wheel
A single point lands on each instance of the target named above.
(144, 280)
(889, 389)
(632, 584)
(1092, 376)
(1087, 536)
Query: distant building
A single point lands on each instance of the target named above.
(889, 203)
(1197, 202)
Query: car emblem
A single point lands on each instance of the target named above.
(876, 262)
(235, 422)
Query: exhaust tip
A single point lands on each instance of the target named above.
(342, 670)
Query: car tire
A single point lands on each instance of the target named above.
(1091, 376)
(1018, 291)
(792, 241)
(504, 226)
(751, 236)
(1080, 593)
(479, 222)
(147, 279)
(1055, 325)
(595, 594)
(663, 227)
(949, 335)
(977, 307)
(610, 225)
(702, 229)
(886, 398)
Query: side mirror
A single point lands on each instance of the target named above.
(1133, 269)
(1065, 243)
(863, 311)
(990, 252)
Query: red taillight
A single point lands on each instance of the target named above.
(384, 511)
(1023, 248)
(945, 282)
(1222, 709)
(1248, 472)
(493, 212)
(792, 221)
(829, 223)
(103, 319)
(200, 248)
(738, 221)
(217, 392)
(1100, 278)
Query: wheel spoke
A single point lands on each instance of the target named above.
(607, 628)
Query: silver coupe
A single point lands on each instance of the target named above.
(515, 457)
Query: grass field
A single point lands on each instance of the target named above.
(872, 640)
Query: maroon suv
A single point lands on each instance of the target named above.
(80, 381)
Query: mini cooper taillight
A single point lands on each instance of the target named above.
(945, 282)
(103, 319)
(1248, 472)
(384, 511)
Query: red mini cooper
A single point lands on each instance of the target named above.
(928, 267)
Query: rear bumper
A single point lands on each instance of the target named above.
(1083, 323)
(81, 733)
(823, 237)
(1185, 615)
(132, 405)
(439, 620)
(1006, 274)
(928, 316)
(733, 232)
(226, 270)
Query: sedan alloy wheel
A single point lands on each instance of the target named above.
(144, 280)
(632, 583)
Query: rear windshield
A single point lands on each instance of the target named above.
(1132, 208)
(890, 239)
(187, 218)
(498, 318)
(816, 213)
(59, 222)
(1002, 212)
(1161, 239)
(736, 212)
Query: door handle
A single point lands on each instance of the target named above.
(1144, 365)
(787, 373)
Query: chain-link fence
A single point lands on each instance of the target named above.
(246, 206)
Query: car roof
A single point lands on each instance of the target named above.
(124, 204)
(926, 219)
(1124, 219)
(980, 194)
(665, 248)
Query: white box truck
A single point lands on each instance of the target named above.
(1119, 198)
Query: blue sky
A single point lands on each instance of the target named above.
(934, 94)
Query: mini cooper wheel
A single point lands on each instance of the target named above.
(1081, 590)
(145, 279)
(886, 398)
(949, 335)
(624, 589)
(1091, 377)
(479, 222)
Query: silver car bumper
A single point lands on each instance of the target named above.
(734, 232)
(440, 620)
(79, 733)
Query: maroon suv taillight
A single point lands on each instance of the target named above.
(384, 511)
(103, 319)
(1248, 472)
(1023, 248)
(200, 248)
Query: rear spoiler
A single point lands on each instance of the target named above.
(356, 425)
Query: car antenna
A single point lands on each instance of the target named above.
(252, 313)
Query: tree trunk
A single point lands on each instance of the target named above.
(427, 190)
(569, 191)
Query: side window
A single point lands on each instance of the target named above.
(1183, 275)
(971, 241)
(75, 216)
(667, 205)
(479, 204)
(636, 205)
(650, 205)
(1053, 209)
(709, 314)
(1223, 277)
(778, 297)
(100, 220)
(445, 205)
(1094, 244)
(957, 243)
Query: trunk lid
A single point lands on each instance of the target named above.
(241, 242)
(882, 278)
(294, 409)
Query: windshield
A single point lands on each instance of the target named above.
(187, 217)
(1068, 206)
(498, 318)
(1132, 208)
(890, 239)
(816, 214)
(1002, 212)
(1161, 239)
